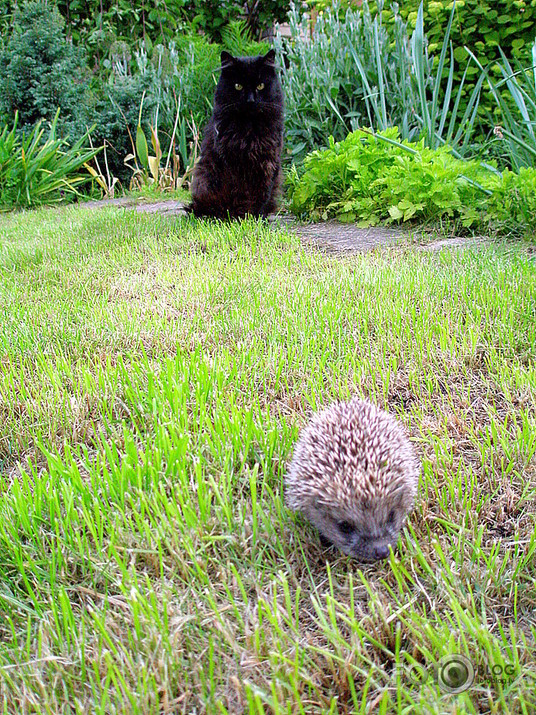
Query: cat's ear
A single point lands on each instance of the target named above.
(226, 59)
(269, 58)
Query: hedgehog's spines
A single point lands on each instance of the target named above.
(351, 455)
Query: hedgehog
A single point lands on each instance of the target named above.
(354, 476)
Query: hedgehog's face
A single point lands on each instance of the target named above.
(368, 532)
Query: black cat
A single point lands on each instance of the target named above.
(239, 170)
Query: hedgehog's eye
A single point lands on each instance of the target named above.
(345, 527)
(260, 86)
(391, 517)
(238, 87)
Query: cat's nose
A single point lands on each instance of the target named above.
(251, 97)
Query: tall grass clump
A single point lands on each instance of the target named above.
(40, 169)
(515, 97)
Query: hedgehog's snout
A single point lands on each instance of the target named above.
(372, 548)
(381, 552)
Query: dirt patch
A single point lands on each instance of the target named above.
(333, 237)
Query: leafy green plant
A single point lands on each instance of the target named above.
(482, 25)
(214, 16)
(41, 71)
(512, 205)
(100, 25)
(36, 170)
(370, 178)
(146, 169)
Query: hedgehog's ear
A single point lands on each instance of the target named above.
(226, 59)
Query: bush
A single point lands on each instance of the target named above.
(481, 25)
(512, 205)
(40, 71)
(36, 170)
(213, 16)
(371, 178)
(329, 79)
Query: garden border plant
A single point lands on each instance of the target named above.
(36, 169)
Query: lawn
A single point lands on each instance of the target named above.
(155, 375)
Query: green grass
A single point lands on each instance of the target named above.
(155, 375)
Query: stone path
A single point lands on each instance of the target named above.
(328, 236)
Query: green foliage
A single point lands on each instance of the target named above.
(515, 96)
(371, 178)
(438, 107)
(485, 27)
(100, 25)
(512, 205)
(40, 71)
(36, 170)
(213, 16)
(481, 25)
(352, 72)
(6, 18)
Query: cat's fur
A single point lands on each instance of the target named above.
(239, 169)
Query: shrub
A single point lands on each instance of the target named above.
(512, 205)
(370, 178)
(40, 71)
(36, 170)
(482, 25)
(332, 79)
(213, 16)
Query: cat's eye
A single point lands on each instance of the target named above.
(345, 527)
(260, 86)
(238, 87)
